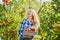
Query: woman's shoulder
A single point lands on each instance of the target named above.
(24, 20)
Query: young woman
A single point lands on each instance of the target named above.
(32, 19)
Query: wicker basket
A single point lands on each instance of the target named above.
(33, 31)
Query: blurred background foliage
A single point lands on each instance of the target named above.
(13, 11)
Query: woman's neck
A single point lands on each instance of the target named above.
(30, 19)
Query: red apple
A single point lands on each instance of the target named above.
(27, 29)
(6, 21)
(5, 1)
(33, 29)
(11, 31)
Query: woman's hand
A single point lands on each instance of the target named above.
(28, 36)
(27, 29)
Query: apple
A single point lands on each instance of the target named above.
(5, 1)
(27, 29)
(33, 29)
(11, 31)
(6, 21)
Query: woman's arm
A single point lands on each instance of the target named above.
(21, 28)
(37, 25)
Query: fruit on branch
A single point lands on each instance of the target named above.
(6, 21)
(11, 31)
(5, 1)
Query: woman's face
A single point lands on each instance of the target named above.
(29, 14)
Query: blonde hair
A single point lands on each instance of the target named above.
(35, 19)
